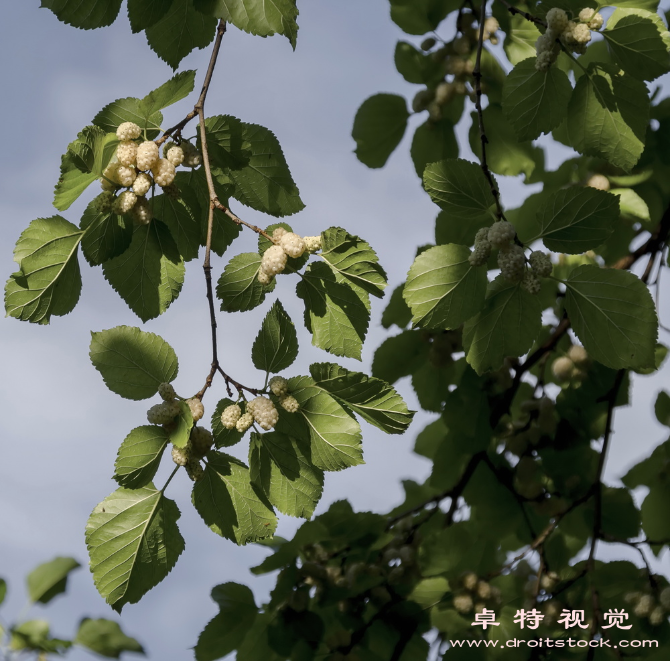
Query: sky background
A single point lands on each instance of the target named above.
(61, 428)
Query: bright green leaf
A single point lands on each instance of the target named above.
(614, 316)
(105, 637)
(276, 346)
(379, 126)
(132, 362)
(86, 14)
(230, 504)
(127, 110)
(175, 89)
(179, 434)
(520, 40)
(429, 591)
(238, 287)
(50, 579)
(139, 456)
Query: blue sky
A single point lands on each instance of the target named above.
(60, 426)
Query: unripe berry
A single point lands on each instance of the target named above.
(292, 244)
(545, 60)
(557, 20)
(470, 581)
(128, 131)
(421, 100)
(142, 211)
(312, 243)
(166, 392)
(511, 261)
(244, 422)
(562, 369)
(644, 606)
(531, 283)
(197, 408)
(264, 412)
(124, 203)
(657, 616)
(175, 155)
(483, 590)
(192, 157)
(273, 261)
(289, 404)
(180, 456)
(160, 414)
(664, 598)
(103, 203)
(201, 440)
(577, 354)
(444, 93)
(264, 278)
(501, 234)
(147, 155)
(491, 25)
(164, 172)
(540, 264)
(194, 470)
(428, 43)
(599, 181)
(279, 386)
(172, 191)
(231, 414)
(126, 153)
(463, 603)
(549, 581)
(142, 184)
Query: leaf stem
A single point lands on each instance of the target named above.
(174, 472)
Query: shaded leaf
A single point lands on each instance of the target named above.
(238, 287)
(139, 456)
(276, 346)
(50, 579)
(86, 14)
(106, 235)
(105, 637)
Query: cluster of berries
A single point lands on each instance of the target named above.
(573, 35)
(286, 244)
(457, 62)
(537, 419)
(261, 409)
(511, 257)
(137, 166)
(656, 610)
(573, 365)
(200, 440)
(475, 595)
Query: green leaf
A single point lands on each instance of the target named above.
(411, 63)
(432, 142)
(397, 311)
(379, 126)
(505, 155)
(225, 632)
(429, 591)
(34, 635)
(82, 164)
(574, 220)
(145, 13)
(420, 16)
(106, 235)
(460, 188)
(86, 14)
(49, 282)
(50, 579)
(180, 31)
(230, 504)
(353, 259)
(335, 314)
(181, 432)
(662, 408)
(105, 637)
(443, 290)
(133, 363)
(520, 40)
(183, 225)
(258, 17)
(373, 399)
(139, 456)
(453, 230)
(238, 287)
(334, 434)
(224, 437)
(250, 158)
(399, 356)
(149, 274)
(507, 326)
(535, 102)
(635, 42)
(133, 543)
(633, 207)
(3, 590)
(127, 110)
(614, 316)
(276, 346)
(176, 89)
(655, 521)
(281, 467)
(608, 115)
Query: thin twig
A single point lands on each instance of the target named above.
(529, 17)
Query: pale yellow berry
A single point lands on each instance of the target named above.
(142, 184)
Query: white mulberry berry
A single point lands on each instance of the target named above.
(480, 255)
(491, 25)
(264, 412)
(124, 203)
(166, 392)
(657, 616)
(562, 369)
(511, 261)
(581, 33)
(197, 409)
(244, 422)
(109, 181)
(599, 181)
(289, 404)
(201, 440)
(278, 233)
(142, 184)
(126, 176)
(103, 202)
(578, 355)
(192, 157)
(128, 131)
(470, 581)
(147, 155)
(596, 21)
(264, 278)
(544, 61)
(279, 386)
(664, 598)
(501, 234)
(445, 91)
(142, 211)
(557, 20)
(584, 16)
(292, 244)
(231, 414)
(312, 243)
(531, 283)
(164, 172)
(175, 155)
(274, 260)
(180, 456)
(194, 470)
(126, 153)
(463, 603)
(644, 606)
(540, 264)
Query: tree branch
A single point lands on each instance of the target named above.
(529, 17)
